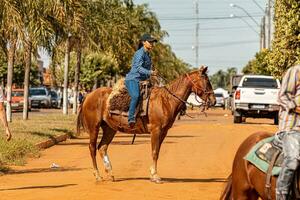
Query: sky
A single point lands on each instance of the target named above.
(223, 43)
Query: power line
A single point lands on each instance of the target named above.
(203, 18)
(214, 28)
(224, 44)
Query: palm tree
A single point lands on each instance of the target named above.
(72, 12)
(9, 28)
(34, 29)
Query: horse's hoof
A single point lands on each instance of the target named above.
(97, 176)
(111, 178)
(156, 179)
(99, 179)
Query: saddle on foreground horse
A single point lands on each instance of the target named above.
(163, 106)
(250, 181)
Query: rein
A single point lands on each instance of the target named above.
(186, 102)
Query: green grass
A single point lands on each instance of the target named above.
(26, 133)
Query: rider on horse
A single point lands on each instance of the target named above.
(140, 71)
(289, 130)
(3, 115)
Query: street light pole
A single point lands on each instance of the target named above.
(260, 35)
(258, 6)
(263, 33)
(236, 6)
(234, 16)
(197, 35)
(269, 23)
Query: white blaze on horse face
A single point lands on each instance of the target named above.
(106, 162)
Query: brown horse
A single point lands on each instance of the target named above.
(164, 105)
(246, 181)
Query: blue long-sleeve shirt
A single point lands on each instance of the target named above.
(141, 66)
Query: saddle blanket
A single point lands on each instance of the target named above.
(261, 154)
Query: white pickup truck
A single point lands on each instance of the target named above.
(256, 96)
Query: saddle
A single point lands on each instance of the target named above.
(119, 99)
(267, 155)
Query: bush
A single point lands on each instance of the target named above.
(16, 151)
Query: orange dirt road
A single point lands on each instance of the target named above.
(195, 160)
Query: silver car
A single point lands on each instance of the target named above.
(220, 100)
(40, 97)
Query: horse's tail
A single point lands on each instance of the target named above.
(226, 194)
(79, 118)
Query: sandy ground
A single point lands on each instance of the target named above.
(194, 162)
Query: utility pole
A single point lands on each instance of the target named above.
(263, 33)
(269, 23)
(197, 35)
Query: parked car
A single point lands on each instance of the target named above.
(17, 100)
(55, 99)
(40, 97)
(220, 100)
(256, 97)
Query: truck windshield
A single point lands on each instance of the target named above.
(260, 82)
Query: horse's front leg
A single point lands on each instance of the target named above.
(157, 137)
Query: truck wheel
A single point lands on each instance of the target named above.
(243, 119)
(276, 119)
(237, 118)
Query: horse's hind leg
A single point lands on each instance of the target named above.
(108, 135)
(92, 146)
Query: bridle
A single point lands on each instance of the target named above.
(203, 91)
(194, 85)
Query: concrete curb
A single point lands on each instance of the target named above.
(52, 141)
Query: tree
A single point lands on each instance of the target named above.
(96, 67)
(71, 18)
(286, 43)
(9, 18)
(35, 28)
(259, 64)
(222, 79)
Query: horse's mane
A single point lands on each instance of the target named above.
(173, 85)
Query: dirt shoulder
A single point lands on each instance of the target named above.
(194, 162)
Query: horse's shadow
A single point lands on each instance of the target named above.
(42, 170)
(178, 180)
(258, 123)
(39, 187)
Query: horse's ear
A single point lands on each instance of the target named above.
(203, 69)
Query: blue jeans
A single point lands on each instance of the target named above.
(133, 88)
(291, 152)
